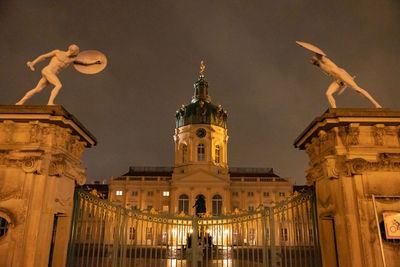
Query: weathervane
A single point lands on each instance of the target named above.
(88, 62)
(340, 76)
(202, 68)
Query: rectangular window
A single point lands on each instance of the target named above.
(149, 207)
(284, 234)
(251, 208)
(250, 194)
(132, 233)
(235, 194)
(252, 235)
(281, 194)
(165, 208)
(134, 193)
(119, 192)
(150, 193)
(88, 233)
(201, 152)
(165, 193)
(149, 233)
(266, 194)
(217, 154)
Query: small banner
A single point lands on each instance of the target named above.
(392, 224)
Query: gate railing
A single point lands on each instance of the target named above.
(105, 234)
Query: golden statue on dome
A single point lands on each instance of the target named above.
(202, 68)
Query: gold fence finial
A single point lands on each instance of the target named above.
(202, 68)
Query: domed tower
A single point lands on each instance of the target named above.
(201, 135)
(201, 148)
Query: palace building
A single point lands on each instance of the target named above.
(200, 169)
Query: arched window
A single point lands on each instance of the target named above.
(183, 204)
(217, 154)
(217, 205)
(200, 152)
(184, 153)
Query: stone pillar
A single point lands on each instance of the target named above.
(354, 154)
(40, 164)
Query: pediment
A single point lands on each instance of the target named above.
(200, 177)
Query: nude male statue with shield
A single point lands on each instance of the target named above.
(340, 76)
(84, 62)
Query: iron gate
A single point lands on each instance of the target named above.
(104, 234)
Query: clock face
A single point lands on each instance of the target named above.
(201, 132)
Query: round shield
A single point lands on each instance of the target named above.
(311, 47)
(90, 62)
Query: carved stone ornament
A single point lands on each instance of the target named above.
(358, 165)
(30, 164)
(386, 162)
(336, 167)
(35, 133)
(325, 204)
(349, 135)
(314, 173)
(57, 166)
(378, 133)
(322, 145)
(9, 130)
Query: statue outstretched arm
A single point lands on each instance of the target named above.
(79, 62)
(40, 58)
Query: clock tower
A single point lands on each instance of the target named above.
(201, 139)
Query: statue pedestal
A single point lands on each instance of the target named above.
(40, 163)
(354, 155)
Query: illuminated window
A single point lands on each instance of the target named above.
(184, 153)
(284, 234)
(165, 193)
(217, 205)
(165, 208)
(217, 154)
(119, 192)
(132, 233)
(310, 235)
(149, 233)
(200, 152)
(183, 204)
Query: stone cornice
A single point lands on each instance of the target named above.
(343, 117)
(49, 114)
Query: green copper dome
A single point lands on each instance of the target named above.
(201, 110)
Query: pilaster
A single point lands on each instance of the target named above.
(40, 164)
(354, 154)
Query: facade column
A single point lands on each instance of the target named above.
(354, 155)
(40, 164)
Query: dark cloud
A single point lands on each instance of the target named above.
(254, 69)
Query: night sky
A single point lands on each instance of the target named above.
(253, 67)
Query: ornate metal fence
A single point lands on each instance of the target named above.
(104, 234)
